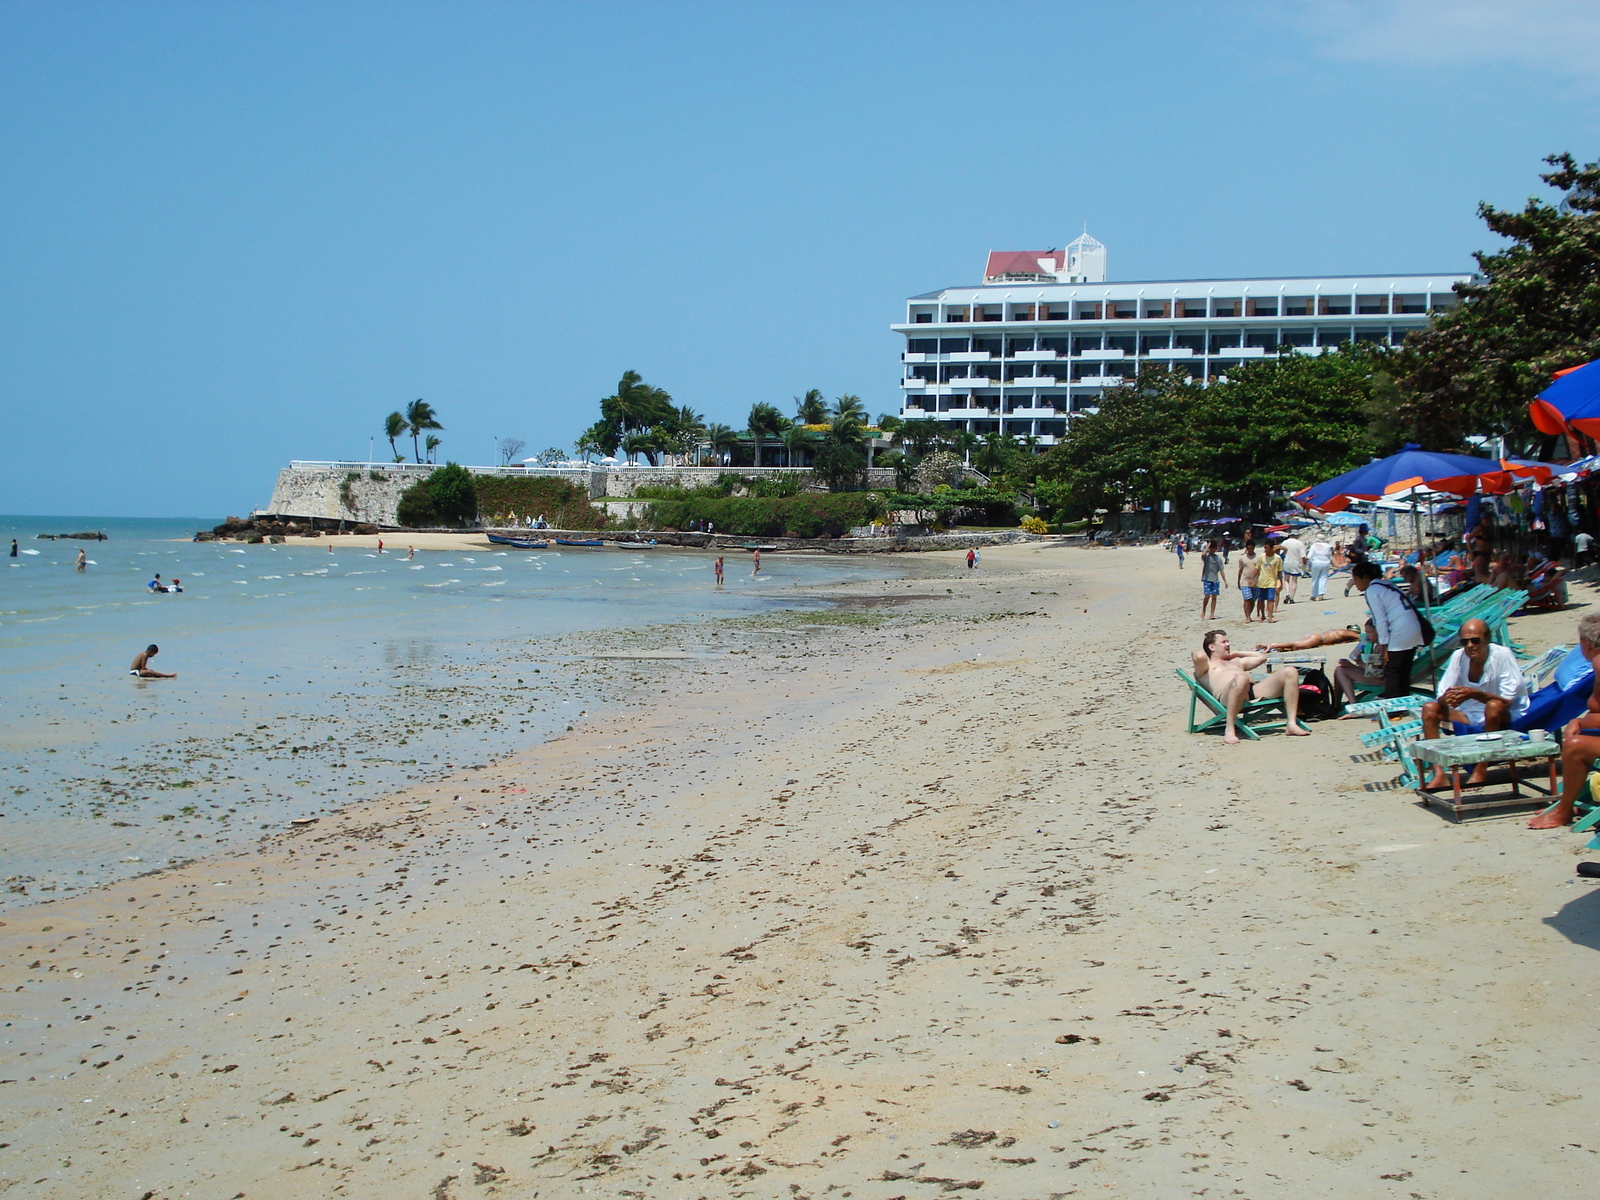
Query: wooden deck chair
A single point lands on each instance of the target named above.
(1248, 725)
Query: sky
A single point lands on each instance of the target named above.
(232, 235)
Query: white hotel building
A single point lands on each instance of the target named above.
(1054, 334)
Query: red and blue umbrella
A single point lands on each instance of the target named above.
(1572, 402)
(1410, 470)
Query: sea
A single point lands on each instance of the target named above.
(307, 678)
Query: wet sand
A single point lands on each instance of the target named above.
(902, 899)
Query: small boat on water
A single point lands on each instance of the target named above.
(579, 542)
(501, 539)
(753, 546)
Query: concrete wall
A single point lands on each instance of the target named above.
(321, 493)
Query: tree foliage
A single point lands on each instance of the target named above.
(1273, 426)
(454, 495)
(1534, 310)
(420, 418)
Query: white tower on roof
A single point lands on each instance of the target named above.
(1086, 261)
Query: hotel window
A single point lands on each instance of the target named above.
(1057, 314)
(1225, 308)
(1086, 311)
(1080, 344)
(990, 345)
(1297, 306)
(922, 319)
(1157, 309)
(1189, 341)
(1154, 341)
(954, 345)
(1397, 336)
(1191, 308)
(1123, 310)
(1262, 339)
(1224, 341)
(1371, 335)
(1128, 343)
(1052, 428)
(1335, 306)
(1372, 305)
(988, 314)
(1410, 304)
(956, 314)
(1261, 308)
(1332, 336)
(1443, 301)
(1061, 345)
(923, 346)
(1013, 345)
(1296, 337)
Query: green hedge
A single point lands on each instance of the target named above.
(564, 504)
(811, 515)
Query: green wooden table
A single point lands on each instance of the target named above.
(1468, 750)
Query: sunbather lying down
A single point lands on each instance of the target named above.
(1328, 637)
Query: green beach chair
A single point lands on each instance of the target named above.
(1248, 724)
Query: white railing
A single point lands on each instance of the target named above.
(301, 464)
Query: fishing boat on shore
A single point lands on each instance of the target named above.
(754, 546)
(501, 539)
(596, 542)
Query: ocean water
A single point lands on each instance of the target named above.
(306, 679)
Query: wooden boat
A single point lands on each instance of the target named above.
(501, 539)
(579, 542)
(753, 546)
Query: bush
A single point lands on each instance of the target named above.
(564, 504)
(416, 506)
(819, 515)
(1033, 524)
(455, 497)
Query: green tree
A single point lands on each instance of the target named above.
(634, 444)
(1533, 309)
(964, 442)
(419, 417)
(394, 426)
(765, 421)
(636, 405)
(721, 439)
(848, 405)
(429, 445)
(796, 437)
(811, 409)
(602, 438)
(454, 495)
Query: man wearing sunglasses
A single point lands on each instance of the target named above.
(1481, 685)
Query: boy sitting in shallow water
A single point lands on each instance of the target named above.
(141, 664)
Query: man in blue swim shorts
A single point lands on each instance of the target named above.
(1211, 581)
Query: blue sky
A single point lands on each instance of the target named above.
(236, 234)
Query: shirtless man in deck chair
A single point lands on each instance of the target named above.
(1580, 741)
(1226, 676)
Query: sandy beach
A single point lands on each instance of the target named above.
(928, 893)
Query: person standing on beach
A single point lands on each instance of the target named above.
(1320, 562)
(757, 569)
(717, 567)
(1245, 578)
(141, 664)
(411, 552)
(972, 557)
(1211, 582)
(1294, 566)
(380, 545)
(1399, 631)
(83, 559)
(1268, 576)
(1177, 548)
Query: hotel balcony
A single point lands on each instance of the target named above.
(913, 383)
(967, 356)
(918, 358)
(1099, 380)
(1169, 352)
(1035, 356)
(1101, 355)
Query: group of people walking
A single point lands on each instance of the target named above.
(1267, 578)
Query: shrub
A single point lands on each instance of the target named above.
(817, 515)
(416, 506)
(1033, 524)
(454, 495)
(563, 503)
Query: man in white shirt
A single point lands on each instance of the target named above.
(1399, 631)
(1481, 685)
(1580, 547)
(1294, 565)
(1319, 561)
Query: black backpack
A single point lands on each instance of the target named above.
(1318, 700)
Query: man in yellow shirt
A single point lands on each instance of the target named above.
(1267, 577)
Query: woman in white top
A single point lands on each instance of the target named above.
(1320, 560)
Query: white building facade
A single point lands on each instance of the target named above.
(1045, 335)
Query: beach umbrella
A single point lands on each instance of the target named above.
(1410, 471)
(1570, 403)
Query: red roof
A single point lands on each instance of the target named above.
(1020, 262)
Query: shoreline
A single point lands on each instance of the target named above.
(929, 874)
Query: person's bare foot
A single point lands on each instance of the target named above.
(1295, 730)
(1230, 739)
(1554, 817)
(1479, 776)
(1438, 780)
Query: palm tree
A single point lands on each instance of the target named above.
(811, 409)
(996, 448)
(394, 425)
(796, 437)
(420, 416)
(721, 439)
(430, 444)
(765, 420)
(636, 405)
(638, 443)
(964, 443)
(848, 405)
